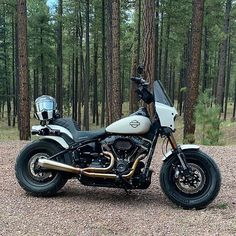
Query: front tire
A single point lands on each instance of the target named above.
(36, 181)
(204, 188)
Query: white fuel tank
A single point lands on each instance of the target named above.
(130, 125)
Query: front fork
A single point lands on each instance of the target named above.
(177, 149)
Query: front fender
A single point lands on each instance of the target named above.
(183, 147)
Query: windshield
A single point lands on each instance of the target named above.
(160, 94)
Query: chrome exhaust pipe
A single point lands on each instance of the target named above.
(91, 172)
(55, 165)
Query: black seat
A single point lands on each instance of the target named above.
(74, 128)
(88, 135)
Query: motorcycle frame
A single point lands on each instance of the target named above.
(156, 129)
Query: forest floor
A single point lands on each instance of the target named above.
(80, 210)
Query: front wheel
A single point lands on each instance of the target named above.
(195, 191)
(35, 180)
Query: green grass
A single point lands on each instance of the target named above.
(223, 206)
(228, 129)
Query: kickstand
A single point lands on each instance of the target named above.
(124, 184)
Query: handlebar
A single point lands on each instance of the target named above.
(139, 81)
(142, 90)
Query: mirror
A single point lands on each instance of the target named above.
(140, 70)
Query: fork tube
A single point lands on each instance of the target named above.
(177, 148)
(173, 141)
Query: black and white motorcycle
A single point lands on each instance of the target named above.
(118, 156)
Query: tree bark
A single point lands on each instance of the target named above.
(193, 71)
(59, 84)
(109, 61)
(161, 47)
(87, 72)
(205, 81)
(133, 101)
(5, 73)
(229, 63)
(149, 44)
(222, 57)
(234, 109)
(24, 101)
(116, 107)
(157, 40)
(82, 73)
(166, 53)
(95, 80)
(44, 82)
(14, 69)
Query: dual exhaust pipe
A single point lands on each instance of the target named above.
(89, 171)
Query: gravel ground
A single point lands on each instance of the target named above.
(80, 210)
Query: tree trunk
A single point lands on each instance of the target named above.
(82, 74)
(87, 72)
(36, 83)
(160, 47)
(74, 95)
(157, 40)
(166, 53)
(76, 67)
(234, 109)
(103, 66)
(109, 61)
(205, 81)
(13, 69)
(59, 85)
(193, 71)
(229, 63)
(24, 101)
(17, 71)
(222, 57)
(116, 108)
(95, 80)
(149, 44)
(6, 76)
(133, 101)
(44, 82)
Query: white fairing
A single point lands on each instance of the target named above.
(166, 115)
(130, 125)
(183, 147)
(60, 140)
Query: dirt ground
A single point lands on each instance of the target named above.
(80, 210)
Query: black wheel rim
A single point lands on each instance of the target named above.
(197, 182)
(35, 174)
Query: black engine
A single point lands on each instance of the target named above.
(126, 149)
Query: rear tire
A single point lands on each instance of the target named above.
(184, 195)
(35, 181)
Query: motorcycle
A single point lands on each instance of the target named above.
(118, 156)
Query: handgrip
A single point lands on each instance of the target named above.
(139, 81)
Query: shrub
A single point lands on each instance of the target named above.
(207, 115)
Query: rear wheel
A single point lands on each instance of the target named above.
(31, 177)
(191, 191)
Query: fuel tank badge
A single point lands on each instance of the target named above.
(134, 123)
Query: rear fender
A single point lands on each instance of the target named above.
(57, 140)
(183, 147)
